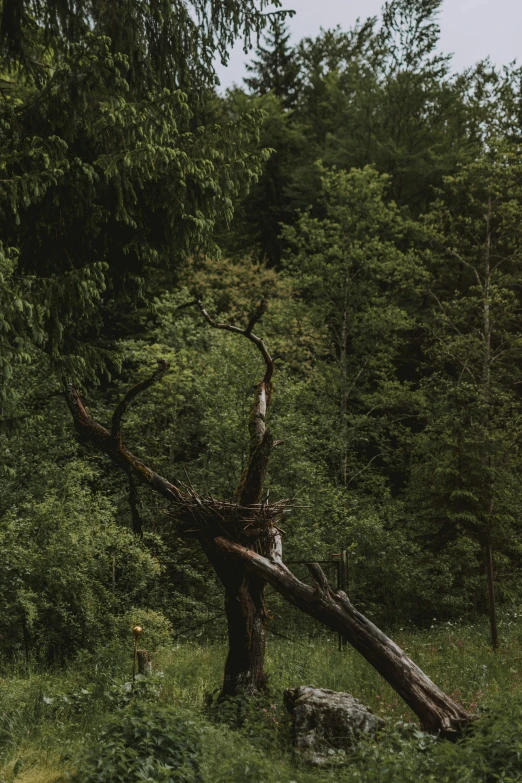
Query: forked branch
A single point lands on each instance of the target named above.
(133, 392)
(247, 332)
(251, 483)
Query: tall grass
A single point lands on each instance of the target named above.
(47, 717)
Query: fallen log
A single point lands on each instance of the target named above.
(437, 712)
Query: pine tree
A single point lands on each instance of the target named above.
(467, 467)
(277, 69)
(171, 43)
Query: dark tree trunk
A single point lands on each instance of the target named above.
(436, 711)
(247, 628)
(247, 623)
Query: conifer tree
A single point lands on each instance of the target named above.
(277, 69)
(467, 461)
(171, 43)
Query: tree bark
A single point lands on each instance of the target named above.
(436, 711)
(247, 623)
(247, 629)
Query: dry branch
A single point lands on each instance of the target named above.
(250, 486)
(90, 432)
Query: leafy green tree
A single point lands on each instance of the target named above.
(378, 94)
(385, 96)
(270, 202)
(354, 270)
(96, 204)
(68, 568)
(109, 178)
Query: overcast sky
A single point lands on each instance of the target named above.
(470, 29)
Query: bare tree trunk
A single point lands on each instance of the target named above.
(436, 711)
(247, 629)
(491, 595)
(247, 622)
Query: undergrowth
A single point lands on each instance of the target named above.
(90, 724)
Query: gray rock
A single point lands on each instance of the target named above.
(328, 724)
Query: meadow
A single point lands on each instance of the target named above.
(66, 724)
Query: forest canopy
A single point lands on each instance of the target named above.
(366, 191)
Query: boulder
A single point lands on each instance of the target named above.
(328, 724)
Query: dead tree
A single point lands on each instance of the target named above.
(436, 711)
(241, 539)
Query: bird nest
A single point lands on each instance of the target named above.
(202, 512)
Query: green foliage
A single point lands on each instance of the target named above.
(490, 751)
(394, 304)
(277, 69)
(102, 191)
(146, 742)
(465, 479)
(271, 201)
(157, 630)
(261, 719)
(351, 268)
(54, 720)
(68, 568)
(169, 44)
(378, 94)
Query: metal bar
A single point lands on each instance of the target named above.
(305, 562)
(343, 579)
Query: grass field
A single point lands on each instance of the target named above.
(50, 719)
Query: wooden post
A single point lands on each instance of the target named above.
(144, 662)
(136, 632)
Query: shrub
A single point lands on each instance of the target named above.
(157, 629)
(68, 570)
(143, 743)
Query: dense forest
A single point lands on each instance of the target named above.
(355, 203)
